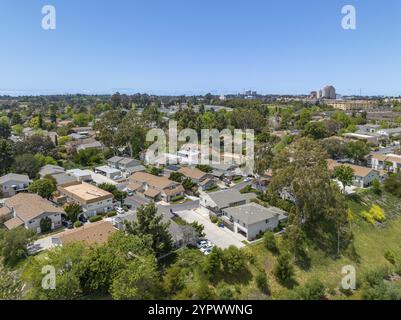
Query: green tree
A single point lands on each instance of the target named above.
(393, 184)
(89, 157)
(319, 209)
(261, 282)
(234, 261)
(43, 187)
(140, 280)
(312, 290)
(357, 150)
(344, 174)
(5, 129)
(213, 263)
(45, 225)
(376, 187)
(176, 176)
(27, 164)
(150, 223)
(284, 270)
(66, 261)
(270, 242)
(13, 245)
(6, 156)
(73, 210)
(316, 130)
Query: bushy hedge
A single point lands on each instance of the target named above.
(77, 224)
(111, 214)
(177, 198)
(95, 219)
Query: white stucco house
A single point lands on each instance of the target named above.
(252, 219)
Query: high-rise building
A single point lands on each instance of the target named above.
(329, 92)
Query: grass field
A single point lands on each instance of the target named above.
(370, 244)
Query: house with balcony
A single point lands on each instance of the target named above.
(12, 184)
(389, 162)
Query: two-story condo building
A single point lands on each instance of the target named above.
(13, 183)
(26, 209)
(154, 187)
(92, 199)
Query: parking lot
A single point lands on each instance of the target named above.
(221, 237)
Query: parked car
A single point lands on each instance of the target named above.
(130, 193)
(68, 224)
(201, 243)
(207, 252)
(120, 210)
(83, 219)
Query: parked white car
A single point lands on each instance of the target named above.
(120, 210)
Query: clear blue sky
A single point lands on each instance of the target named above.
(193, 46)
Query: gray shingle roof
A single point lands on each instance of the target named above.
(252, 213)
(224, 198)
(14, 177)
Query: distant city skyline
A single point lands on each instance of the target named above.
(185, 47)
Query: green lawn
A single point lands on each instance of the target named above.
(370, 243)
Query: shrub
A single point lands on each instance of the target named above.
(177, 198)
(95, 219)
(45, 225)
(390, 257)
(77, 224)
(270, 242)
(377, 213)
(214, 219)
(376, 187)
(368, 217)
(111, 214)
(311, 290)
(284, 270)
(261, 282)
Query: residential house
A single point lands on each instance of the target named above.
(96, 233)
(77, 145)
(390, 133)
(109, 172)
(217, 201)
(81, 175)
(13, 183)
(50, 170)
(123, 163)
(390, 162)
(252, 219)
(207, 184)
(176, 231)
(154, 187)
(363, 176)
(64, 179)
(92, 199)
(28, 210)
(90, 234)
(368, 138)
(196, 175)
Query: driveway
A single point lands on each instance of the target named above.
(221, 237)
(136, 201)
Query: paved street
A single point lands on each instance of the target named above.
(242, 185)
(221, 237)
